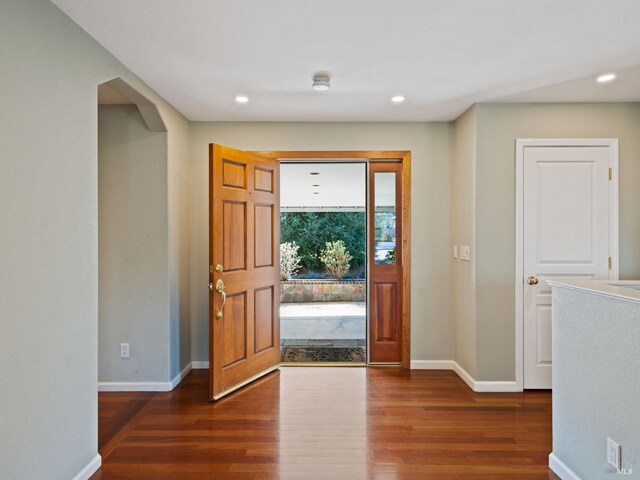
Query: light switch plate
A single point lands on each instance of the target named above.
(464, 252)
(455, 251)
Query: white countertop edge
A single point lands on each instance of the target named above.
(605, 288)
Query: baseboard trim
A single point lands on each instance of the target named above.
(89, 469)
(145, 386)
(464, 375)
(432, 364)
(180, 376)
(198, 365)
(475, 385)
(560, 468)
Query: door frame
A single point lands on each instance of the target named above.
(404, 158)
(521, 144)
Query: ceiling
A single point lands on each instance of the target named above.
(443, 55)
(342, 186)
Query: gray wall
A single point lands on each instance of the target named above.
(483, 213)
(463, 176)
(49, 71)
(179, 224)
(133, 306)
(431, 327)
(498, 125)
(596, 386)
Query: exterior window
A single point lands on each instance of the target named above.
(385, 217)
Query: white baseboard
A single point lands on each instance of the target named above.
(89, 469)
(464, 375)
(475, 385)
(145, 386)
(561, 469)
(432, 364)
(178, 378)
(197, 365)
(134, 386)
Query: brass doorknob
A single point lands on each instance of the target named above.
(532, 280)
(220, 290)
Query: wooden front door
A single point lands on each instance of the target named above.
(244, 239)
(385, 262)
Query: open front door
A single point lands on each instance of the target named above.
(244, 239)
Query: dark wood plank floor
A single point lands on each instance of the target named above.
(327, 423)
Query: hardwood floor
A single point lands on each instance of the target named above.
(116, 410)
(329, 423)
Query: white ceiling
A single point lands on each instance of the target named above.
(443, 55)
(341, 185)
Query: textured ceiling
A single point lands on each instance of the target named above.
(443, 55)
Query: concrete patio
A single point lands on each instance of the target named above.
(338, 324)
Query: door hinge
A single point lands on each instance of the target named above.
(610, 262)
(610, 173)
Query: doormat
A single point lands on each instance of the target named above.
(323, 354)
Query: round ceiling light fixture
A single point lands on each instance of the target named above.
(242, 99)
(321, 83)
(314, 173)
(398, 99)
(606, 77)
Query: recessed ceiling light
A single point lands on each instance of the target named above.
(321, 83)
(314, 173)
(316, 193)
(242, 99)
(606, 77)
(398, 99)
(316, 185)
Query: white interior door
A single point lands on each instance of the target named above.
(566, 235)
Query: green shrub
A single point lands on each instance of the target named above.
(336, 259)
(312, 230)
(289, 260)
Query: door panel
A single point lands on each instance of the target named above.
(385, 262)
(234, 220)
(566, 236)
(385, 309)
(264, 235)
(264, 313)
(234, 329)
(244, 268)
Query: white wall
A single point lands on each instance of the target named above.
(49, 72)
(596, 360)
(431, 327)
(133, 306)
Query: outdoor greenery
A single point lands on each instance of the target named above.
(336, 259)
(289, 260)
(312, 230)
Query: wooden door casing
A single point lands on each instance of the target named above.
(386, 336)
(244, 239)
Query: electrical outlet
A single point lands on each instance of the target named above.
(124, 350)
(455, 251)
(614, 454)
